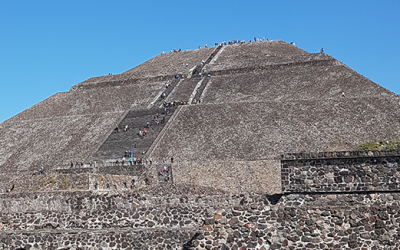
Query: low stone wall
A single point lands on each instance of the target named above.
(187, 215)
(88, 221)
(341, 171)
(368, 221)
(87, 239)
(87, 210)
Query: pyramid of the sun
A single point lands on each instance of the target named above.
(246, 105)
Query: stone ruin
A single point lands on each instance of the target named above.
(247, 146)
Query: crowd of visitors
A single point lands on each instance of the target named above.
(237, 41)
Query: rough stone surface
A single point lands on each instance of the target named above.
(90, 221)
(341, 171)
(219, 172)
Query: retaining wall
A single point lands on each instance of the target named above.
(170, 218)
(328, 221)
(342, 171)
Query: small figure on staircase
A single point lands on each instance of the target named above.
(10, 189)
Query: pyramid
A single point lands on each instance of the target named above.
(244, 106)
(247, 146)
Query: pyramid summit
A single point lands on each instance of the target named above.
(219, 121)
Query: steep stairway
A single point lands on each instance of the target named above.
(199, 90)
(126, 136)
(197, 72)
(120, 140)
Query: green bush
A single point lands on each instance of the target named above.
(392, 146)
(374, 145)
(369, 146)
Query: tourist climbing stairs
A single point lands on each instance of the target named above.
(199, 90)
(197, 72)
(164, 173)
(135, 133)
(138, 129)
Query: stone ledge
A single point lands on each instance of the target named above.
(340, 154)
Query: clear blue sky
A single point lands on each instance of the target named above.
(48, 46)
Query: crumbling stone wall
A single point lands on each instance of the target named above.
(343, 221)
(342, 171)
(90, 239)
(61, 220)
(302, 216)
(247, 221)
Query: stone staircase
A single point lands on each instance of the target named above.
(120, 141)
(200, 90)
(199, 68)
(198, 72)
(152, 120)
